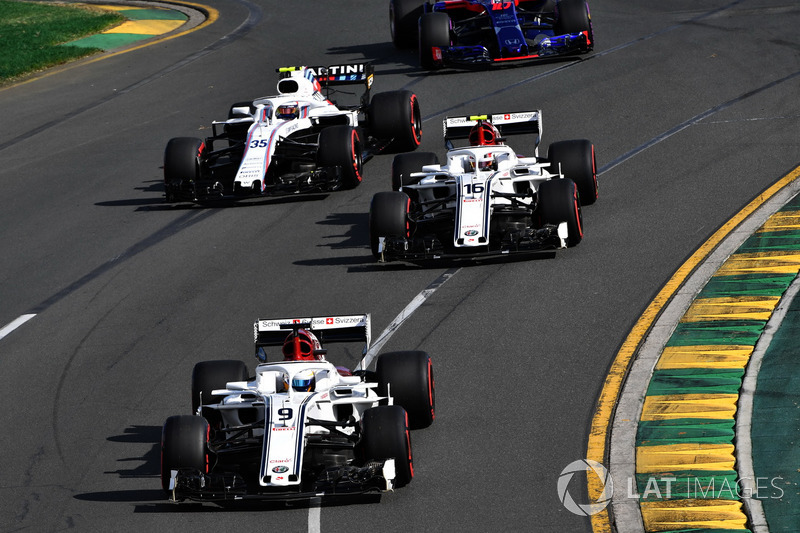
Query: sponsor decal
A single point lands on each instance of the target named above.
(470, 233)
(292, 428)
(280, 470)
(512, 42)
(329, 321)
(287, 460)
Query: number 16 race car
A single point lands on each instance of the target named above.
(485, 200)
(490, 32)
(298, 141)
(301, 427)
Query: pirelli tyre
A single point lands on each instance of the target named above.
(558, 202)
(340, 146)
(181, 162)
(408, 378)
(388, 217)
(434, 32)
(395, 116)
(183, 445)
(403, 22)
(404, 164)
(211, 375)
(572, 16)
(576, 161)
(385, 435)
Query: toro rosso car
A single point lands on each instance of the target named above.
(485, 199)
(486, 32)
(300, 427)
(298, 141)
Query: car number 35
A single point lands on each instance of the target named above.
(258, 143)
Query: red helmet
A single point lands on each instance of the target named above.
(484, 134)
(301, 347)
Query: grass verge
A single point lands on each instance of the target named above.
(30, 35)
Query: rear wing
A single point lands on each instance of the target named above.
(525, 122)
(342, 328)
(328, 76)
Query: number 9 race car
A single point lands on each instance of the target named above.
(486, 200)
(490, 32)
(298, 141)
(300, 427)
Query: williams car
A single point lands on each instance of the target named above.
(298, 141)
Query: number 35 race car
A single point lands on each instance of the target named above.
(300, 427)
(485, 200)
(487, 32)
(298, 141)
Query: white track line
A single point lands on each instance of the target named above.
(404, 315)
(314, 511)
(11, 326)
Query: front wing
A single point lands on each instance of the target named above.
(534, 242)
(550, 47)
(189, 484)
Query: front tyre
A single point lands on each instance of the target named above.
(408, 378)
(434, 33)
(183, 445)
(208, 376)
(388, 217)
(404, 164)
(558, 202)
(572, 16)
(340, 146)
(385, 435)
(182, 158)
(576, 161)
(395, 115)
(403, 17)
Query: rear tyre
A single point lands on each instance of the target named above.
(434, 32)
(408, 378)
(340, 146)
(388, 217)
(183, 445)
(572, 16)
(404, 164)
(577, 162)
(181, 162)
(558, 202)
(385, 435)
(395, 115)
(210, 375)
(403, 22)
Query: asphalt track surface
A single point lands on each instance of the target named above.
(693, 109)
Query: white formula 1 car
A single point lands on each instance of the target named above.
(485, 200)
(298, 141)
(301, 427)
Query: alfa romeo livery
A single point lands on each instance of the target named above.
(485, 199)
(300, 427)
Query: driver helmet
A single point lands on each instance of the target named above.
(303, 381)
(301, 347)
(484, 134)
(288, 111)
